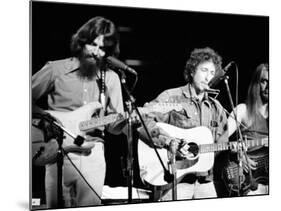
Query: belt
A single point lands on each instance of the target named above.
(192, 178)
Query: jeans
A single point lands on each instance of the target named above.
(192, 191)
(262, 189)
(75, 191)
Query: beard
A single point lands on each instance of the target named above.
(88, 67)
(264, 98)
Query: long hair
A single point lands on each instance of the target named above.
(92, 29)
(253, 100)
(199, 55)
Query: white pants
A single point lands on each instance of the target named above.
(262, 189)
(75, 191)
(192, 191)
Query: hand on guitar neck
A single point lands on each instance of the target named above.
(247, 163)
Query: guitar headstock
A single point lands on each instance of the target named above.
(163, 107)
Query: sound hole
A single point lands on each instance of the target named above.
(193, 150)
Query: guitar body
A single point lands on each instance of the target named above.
(259, 175)
(44, 153)
(151, 170)
(79, 122)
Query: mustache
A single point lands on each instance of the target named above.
(88, 67)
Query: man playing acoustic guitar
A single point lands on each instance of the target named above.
(199, 109)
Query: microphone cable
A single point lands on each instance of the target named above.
(82, 176)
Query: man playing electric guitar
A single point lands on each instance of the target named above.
(252, 118)
(70, 84)
(198, 110)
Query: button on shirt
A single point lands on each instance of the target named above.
(67, 91)
(208, 112)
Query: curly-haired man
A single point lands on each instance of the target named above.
(199, 109)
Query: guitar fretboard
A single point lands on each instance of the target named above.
(205, 148)
(257, 142)
(97, 122)
(213, 147)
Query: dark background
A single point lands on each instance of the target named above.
(162, 40)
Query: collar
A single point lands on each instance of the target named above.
(189, 92)
(73, 64)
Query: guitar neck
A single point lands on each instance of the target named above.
(256, 142)
(205, 148)
(97, 122)
(101, 121)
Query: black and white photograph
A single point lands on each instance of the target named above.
(134, 105)
(119, 104)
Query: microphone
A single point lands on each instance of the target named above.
(212, 91)
(115, 63)
(219, 77)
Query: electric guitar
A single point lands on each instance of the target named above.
(200, 156)
(230, 172)
(79, 122)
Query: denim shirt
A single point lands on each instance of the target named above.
(208, 112)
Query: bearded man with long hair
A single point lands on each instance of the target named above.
(69, 84)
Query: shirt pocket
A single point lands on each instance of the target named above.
(181, 119)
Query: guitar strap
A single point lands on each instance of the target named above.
(102, 90)
(100, 96)
(102, 99)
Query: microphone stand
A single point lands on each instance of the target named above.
(78, 140)
(59, 156)
(240, 142)
(172, 162)
(130, 160)
(59, 169)
(130, 104)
